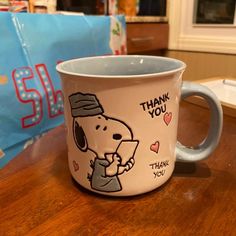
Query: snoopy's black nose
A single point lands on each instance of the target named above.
(117, 136)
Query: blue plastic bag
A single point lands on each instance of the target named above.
(30, 47)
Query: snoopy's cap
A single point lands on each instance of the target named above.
(85, 105)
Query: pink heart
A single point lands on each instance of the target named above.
(167, 117)
(75, 165)
(155, 147)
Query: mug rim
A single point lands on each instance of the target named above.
(147, 75)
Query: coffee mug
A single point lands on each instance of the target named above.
(121, 114)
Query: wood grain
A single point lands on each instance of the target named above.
(39, 197)
(142, 37)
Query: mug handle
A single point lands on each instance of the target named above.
(204, 149)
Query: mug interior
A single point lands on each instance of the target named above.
(120, 66)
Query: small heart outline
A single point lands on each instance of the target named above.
(167, 118)
(75, 165)
(155, 147)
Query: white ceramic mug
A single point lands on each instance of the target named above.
(121, 114)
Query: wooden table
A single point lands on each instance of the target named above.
(39, 197)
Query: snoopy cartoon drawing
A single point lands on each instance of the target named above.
(110, 139)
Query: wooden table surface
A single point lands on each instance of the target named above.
(39, 197)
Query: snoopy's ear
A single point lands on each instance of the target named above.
(79, 137)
